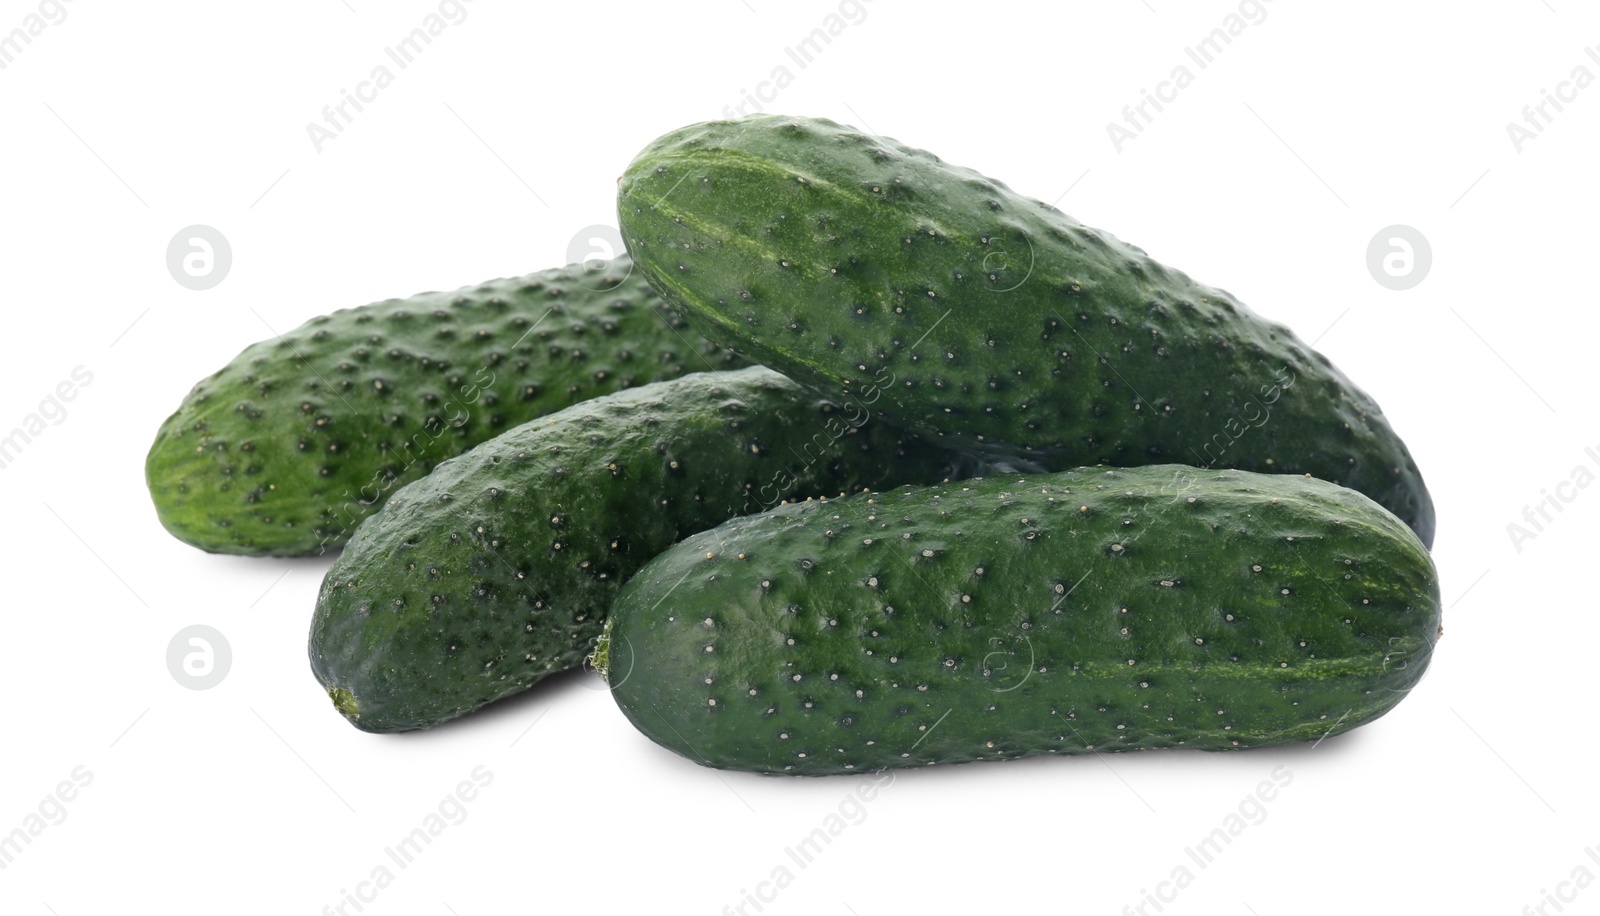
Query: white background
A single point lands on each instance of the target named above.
(1268, 176)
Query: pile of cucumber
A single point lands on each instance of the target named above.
(856, 460)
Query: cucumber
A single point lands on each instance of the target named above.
(499, 567)
(1090, 610)
(852, 263)
(287, 448)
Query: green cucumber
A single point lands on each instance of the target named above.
(852, 263)
(498, 568)
(286, 449)
(1090, 610)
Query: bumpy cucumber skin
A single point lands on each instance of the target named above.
(843, 259)
(498, 568)
(1092, 610)
(287, 448)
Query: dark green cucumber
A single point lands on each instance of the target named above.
(852, 263)
(498, 568)
(287, 448)
(1091, 610)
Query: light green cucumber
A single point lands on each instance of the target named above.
(287, 448)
